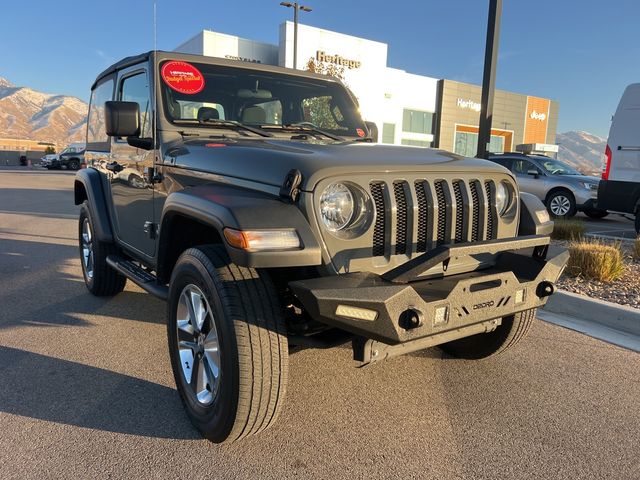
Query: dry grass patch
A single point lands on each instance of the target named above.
(568, 230)
(636, 249)
(595, 260)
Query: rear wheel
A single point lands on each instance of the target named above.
(484, 345)
(99, 277)
(595, 213)
(561, 204)
(227, 343)
(73, 164)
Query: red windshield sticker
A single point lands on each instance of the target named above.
(360, 132)
(183, 77)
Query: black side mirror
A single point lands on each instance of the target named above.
(533, 173)
(373, 131)
(122, 119)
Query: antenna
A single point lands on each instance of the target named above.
(153, 76)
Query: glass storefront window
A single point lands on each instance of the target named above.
(389, 133)
(415, 121)
(415, 143)
(467, 144)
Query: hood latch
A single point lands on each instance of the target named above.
(290, 189)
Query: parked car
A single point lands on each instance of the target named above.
(263, 213)
(71, 158)
(48, 159)
(562, 188)
(620, 186)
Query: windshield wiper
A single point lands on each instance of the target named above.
(310, 127)
(235, 125)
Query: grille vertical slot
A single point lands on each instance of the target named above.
(442, 211)
(422, 216)
(475, 211)
(377, 194)
(491, 213)
(457, 192)
(401, 217)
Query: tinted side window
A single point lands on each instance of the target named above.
(97, 138)
(136, 89)
(523, 166)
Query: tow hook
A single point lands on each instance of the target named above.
(545, 289)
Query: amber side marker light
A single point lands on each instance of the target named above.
(261, 240)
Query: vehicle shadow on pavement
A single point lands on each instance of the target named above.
(55, 390)
(37, 291)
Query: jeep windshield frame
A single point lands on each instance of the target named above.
(262, 99)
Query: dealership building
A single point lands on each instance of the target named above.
(408, 109)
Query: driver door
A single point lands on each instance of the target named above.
(132, 194)
(529, 183)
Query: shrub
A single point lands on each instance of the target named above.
(595, 260)
(568, 230)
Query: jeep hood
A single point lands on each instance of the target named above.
(269, 160)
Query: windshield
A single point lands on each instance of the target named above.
(556, 167)
(263, 99)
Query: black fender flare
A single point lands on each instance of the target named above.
(222, 206)
(88, 186)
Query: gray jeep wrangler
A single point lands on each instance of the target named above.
(254, 200)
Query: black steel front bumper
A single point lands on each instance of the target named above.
(398, 307)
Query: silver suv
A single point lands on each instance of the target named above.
(563, 189)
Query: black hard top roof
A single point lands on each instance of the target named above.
(163, 55)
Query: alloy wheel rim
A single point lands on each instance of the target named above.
(198, 345)
(87, 248)
(560, 205)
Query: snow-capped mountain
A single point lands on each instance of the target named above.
(582, 150)
(29, 114)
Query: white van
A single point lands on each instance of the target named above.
(619, 189)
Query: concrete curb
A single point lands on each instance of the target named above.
(611, 315)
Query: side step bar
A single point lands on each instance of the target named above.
(139, 276)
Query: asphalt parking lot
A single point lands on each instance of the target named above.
(612, 226)
(87, 391)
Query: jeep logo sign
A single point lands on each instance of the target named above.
(480, 306)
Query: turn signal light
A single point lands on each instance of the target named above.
(261, 240)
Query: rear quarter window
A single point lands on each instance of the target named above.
(97, 138)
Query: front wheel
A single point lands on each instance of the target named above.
(227, 343)
(637, 223)
(561, 204)
(484, 345)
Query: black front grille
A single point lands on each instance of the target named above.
(379, 227)
(442, 211)
(448, 212)
(401, 227)
(457, 191)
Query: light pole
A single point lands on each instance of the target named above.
(296, 6)
(489, 77)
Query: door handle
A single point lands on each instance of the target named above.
(114, 167)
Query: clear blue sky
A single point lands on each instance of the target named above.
(579, 52)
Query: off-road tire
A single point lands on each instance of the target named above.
(596, 214)
(251, 336)
(104, 281)
(484, 345)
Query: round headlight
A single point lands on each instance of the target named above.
(503, 198)
(337, 207)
